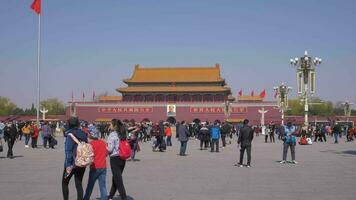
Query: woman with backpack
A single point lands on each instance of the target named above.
(116, 163)
(70, 154)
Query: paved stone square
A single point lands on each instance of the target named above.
(325, 171)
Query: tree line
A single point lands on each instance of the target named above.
(317, 107)
(53, 105)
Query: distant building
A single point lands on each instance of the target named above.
(182, 93)
(190, 84)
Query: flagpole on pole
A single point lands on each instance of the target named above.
(38, 69)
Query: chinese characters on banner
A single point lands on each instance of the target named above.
(126, 110)
(215, 110)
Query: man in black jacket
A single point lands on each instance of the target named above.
(244, 140)
(10, 133)
(225, 130)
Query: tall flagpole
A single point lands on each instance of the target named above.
(38, 69)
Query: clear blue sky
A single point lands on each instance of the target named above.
(93, 45)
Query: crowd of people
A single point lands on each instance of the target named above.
(16, 131)
(105, 142)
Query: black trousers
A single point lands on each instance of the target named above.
(321, 137)
(34, 142)
(117, 168)
(10, 144)
(205, 143)
(242, 152)
(271, 137)
(266, 137)
(78, 173)
(223, 140)
(45, 140)
(216, 143)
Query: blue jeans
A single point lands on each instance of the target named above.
(336, 137)
(133, 150)
(169, 140)
(93, 175)
(183, 147)
(27, 138)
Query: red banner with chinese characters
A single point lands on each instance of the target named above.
(239, 110)
(126, 110)
(216, 110)
(206, 110)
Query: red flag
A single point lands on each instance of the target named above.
(93, 95)
(253, 93)
(36, 6)
(263, 94)
(240, 93)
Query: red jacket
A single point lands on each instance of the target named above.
(35, 132)
(100, 153)
(168, 131)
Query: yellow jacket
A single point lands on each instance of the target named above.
(26, 129)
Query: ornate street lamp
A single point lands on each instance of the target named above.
(282, 92)
(305, 79)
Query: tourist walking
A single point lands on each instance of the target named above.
(225, 131)
(168, 132)
(98, 167)
(203, 136)
(289, 141)
(337, 132)
(159, 139)
(245, 142)
(2, 126)
(183, 136)
(34, 136)
(46, 133)
(215, 136)
(116, 163)
(133, 141)
(26, 130)
(70, 154)
(272, 128)
(10, 135)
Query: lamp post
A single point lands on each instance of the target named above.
(305, 79)
(282, 92)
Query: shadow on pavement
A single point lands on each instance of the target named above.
(128, 198)
(348, 152)
(352, 152)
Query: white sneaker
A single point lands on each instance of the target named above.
(26, 146)
(282, 162)
(248, 166)
(294, 162)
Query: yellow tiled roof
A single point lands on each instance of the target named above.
(175, 89)
(250, 98)
(110, 98)
(176, 74)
